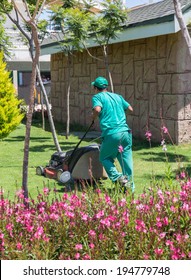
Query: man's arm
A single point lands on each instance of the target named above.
(95, 112)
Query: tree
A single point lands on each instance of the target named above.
(27, 24)
(183, 27)
(106, 26)
(10, 114)
(73, 20)
(4, 39)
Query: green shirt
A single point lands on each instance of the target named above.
(112, 116)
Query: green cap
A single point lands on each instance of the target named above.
(100, 82)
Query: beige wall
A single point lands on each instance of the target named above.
(154, 75)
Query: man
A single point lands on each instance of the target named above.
(116, 135)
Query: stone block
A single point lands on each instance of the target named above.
(75, 112)
(140, 52)
(187, 105)
(150, 94)
(144, 117)
(183, 59)
(127, 49)
(184, 131)
(134, 125)
(150, 70)
(84, 84)
(170, 107)
(181, 83)
(138, 79)
(181, 107)
(161, 46)
(172, 45)
(161, 66)
(117, 53)
(116, 72)
(151, 47)
(129, 92)
(155, 129)
(164, 84)
(128, 69)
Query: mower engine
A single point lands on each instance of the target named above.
(82, 163)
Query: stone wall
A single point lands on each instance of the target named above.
(154, 76)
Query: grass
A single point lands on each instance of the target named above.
(150, 164)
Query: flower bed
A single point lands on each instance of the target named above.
(96, 225)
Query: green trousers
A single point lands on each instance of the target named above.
(109, 151)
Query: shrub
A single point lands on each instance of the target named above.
(10, 114)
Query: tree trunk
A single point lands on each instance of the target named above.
(183, 27)
(68, 100)
(30, 112)
(52, 127)
(107, 67)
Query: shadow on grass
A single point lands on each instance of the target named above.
(160, 157)
(22, 138)
(42, 148)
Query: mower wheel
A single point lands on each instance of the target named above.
(59, 172)
(39, 170)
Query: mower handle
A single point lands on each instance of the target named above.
(81, 140)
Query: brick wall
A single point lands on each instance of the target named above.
(154, 76)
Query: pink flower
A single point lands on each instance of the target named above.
(77, 256)
(158, 251)
(78, 247)
(165, 129)
(39, 232)
(140, 226)
(92, 233)
(148, 135)
(9, 227)
(20, 194)
(165, 221)
(146, 257)
(19, 246)
(91, 245)
(86, 257)
(120, 149)
(84, 216)
(46, 191)
(182, 175)
(100, 214)
(69, 214)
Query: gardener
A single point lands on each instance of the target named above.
(116, 135)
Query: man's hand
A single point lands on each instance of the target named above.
(130, 108)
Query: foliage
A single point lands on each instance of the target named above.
(10, 114)
(110, 22)
(95, 225)
(74, 24)
(5, 43)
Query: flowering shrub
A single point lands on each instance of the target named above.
(96, 225)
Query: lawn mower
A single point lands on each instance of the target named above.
(77, 164)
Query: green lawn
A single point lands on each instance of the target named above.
(149, 163)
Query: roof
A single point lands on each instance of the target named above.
(143, 22)
(154, 11)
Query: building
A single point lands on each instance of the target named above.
(150, 67)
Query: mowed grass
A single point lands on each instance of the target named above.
(151, 164)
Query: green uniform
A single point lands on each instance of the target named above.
(115, 133)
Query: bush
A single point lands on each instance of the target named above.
(10, 114)
(96, 225)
